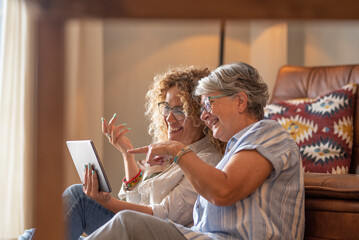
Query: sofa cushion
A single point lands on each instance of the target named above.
(322, 185)
(322, 127)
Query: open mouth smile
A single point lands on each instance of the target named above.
(173, 130)
(212, 122)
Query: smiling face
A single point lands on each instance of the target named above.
(183, 131)
(228, 115)
(219, 118)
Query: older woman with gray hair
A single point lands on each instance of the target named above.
(255, 192)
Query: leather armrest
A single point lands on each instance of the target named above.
(339, 186)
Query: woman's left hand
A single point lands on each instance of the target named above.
(116, 134)
(90, 186)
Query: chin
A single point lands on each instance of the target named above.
(220, 137)
(216, 135)
(174, 138)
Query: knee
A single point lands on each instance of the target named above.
(28, 234)
(72, 193)
(134, 225)
(126, 215)
(128, 218)
(131, 218)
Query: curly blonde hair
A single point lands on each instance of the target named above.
(185, 80)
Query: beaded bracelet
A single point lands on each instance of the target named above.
(133, 182)
(181, 153)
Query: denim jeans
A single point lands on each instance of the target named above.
(82, 214)
(27, 235)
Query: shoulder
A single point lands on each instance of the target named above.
(266, 125)
(267, 133)
(266, 136)
(206, 151)
(210, 157)
(271, 141)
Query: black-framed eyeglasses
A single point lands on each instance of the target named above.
(165, 111)
(207, 103)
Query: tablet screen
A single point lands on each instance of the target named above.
(83, 152)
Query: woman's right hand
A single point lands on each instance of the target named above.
(90, 186)
(116, 134)
(158, 153)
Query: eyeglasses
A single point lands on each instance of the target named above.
(165, 110)
(207, 103)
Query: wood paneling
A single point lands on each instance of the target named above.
(230, 9)
(49, 127)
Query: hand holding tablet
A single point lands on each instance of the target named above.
(83, 153)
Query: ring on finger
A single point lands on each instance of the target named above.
(108, 135)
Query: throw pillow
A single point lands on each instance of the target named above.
(322, 127)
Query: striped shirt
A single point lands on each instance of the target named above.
(275, 210)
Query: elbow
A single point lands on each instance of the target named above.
(225, 198)
(220, 202)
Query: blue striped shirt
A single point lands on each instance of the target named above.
(275, 210)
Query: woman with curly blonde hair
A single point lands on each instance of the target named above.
(184, 79)
(161, 190)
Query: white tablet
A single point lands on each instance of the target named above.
(83, 152)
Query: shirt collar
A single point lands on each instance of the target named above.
(236, 137)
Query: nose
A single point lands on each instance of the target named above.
(171, 117)
(204, 115)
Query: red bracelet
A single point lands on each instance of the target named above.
(131, 183)
(128, 181)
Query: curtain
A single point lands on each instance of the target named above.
(16, 119)
(84, 87)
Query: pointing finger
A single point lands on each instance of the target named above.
(138, 150)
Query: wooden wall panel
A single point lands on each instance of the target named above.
(229, 9)
(49, 127)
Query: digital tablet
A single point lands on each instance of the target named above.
(83, 152)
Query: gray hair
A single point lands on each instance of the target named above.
(237, 77)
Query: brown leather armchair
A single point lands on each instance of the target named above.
(331, 200)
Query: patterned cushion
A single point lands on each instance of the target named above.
(322, 128)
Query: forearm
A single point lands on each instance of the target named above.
(242, 175)
(130, 165)
(208, 181)
(211, 183)
(115, 205)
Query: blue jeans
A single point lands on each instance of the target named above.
(83, 214)
(27, 235)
